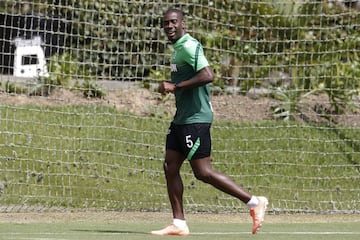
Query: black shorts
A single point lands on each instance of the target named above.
(192, 140)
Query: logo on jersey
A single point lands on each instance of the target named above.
(173, 67)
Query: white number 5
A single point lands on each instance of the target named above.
(189, 142)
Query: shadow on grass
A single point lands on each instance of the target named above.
(111, 231)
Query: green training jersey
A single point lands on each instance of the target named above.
(192, 105)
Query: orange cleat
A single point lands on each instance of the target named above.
(172, 230)
(258, 213)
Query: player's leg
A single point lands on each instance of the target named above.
(201, 165)
(199, 157)
(172, 164)
(175, 188)
(203, 171)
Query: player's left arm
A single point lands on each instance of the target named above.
(204, 73)
(203, 76)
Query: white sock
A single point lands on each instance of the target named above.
(179, 223)
(254, 201)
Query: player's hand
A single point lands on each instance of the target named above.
(166, 87)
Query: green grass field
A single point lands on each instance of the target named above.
(134, 226)
(92, 157)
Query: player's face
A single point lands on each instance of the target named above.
(173, 26)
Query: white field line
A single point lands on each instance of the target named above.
(192, 233)
(277, 233)
(37, 238)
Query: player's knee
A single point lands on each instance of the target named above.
(167, 169)
(204, 176)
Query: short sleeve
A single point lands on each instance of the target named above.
(195, 55)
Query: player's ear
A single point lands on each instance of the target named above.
(183, 24)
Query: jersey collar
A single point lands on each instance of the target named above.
(181, 40)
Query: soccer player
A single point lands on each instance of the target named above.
(188, 136)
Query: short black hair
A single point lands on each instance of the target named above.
(175, 10)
